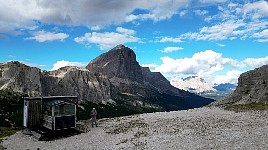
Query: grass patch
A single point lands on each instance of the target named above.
(7, 131)
(247, 107)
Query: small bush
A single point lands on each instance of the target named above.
(7, 131)
(11, 109)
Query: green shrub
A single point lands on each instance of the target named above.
(6, 131)
(11, 109)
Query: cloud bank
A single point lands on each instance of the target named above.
(207, 64)
(63, 63)
(42, 36)
(107, 40)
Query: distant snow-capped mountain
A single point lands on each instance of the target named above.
(199, 86)
(192, 84)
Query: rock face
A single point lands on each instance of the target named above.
(20, 78)
(121, 67)
(252, 87)
(127, 76)
(119, 62)
(86, 85)
(65, 81)
(114, 76)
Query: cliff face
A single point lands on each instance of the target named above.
(252, 87)
(121, 67)
(113, 77)
(20, 78)
(119, 62)
(77, 81)
(65, 81)
(158, 81)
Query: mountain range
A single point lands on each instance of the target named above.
(113, 78)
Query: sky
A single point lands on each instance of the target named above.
(216, 40)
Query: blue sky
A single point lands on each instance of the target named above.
(213, 39)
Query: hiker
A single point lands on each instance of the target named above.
(93, 115)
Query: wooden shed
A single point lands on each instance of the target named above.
(53, 112)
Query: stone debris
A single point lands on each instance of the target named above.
(202, 128)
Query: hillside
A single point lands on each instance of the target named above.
(202, 128)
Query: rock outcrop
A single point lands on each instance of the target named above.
(32, 81)
(119, 62)
(86, 85)
(252, 87)
(20, 78)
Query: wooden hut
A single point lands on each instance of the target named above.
(54, 112)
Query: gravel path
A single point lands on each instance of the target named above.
(203, 128)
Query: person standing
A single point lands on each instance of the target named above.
(93, 115)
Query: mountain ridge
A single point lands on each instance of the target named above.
(114, 76)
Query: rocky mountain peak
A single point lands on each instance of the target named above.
(193, 84)
(119, 62)
(120, 46)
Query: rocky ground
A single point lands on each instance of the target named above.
(203, 128)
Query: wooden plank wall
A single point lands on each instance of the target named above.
(34, 113)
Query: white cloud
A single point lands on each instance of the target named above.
(63, 63)
(23, 14)
(211, 1)
(208, 63)
(95, 28)
(201, 12)
(262, 36)
(182, 13)
(159, 10)
(171, 49)
(255, 62)
(131, 18)
(221, 31)
(256, 9)
(237, 21)
(108, 40)
(125, 31)
(229, 77)
(262, 40)
(202, 63)
(221, 45)
(11, 56)
(43, 36)
(151, 66)
(170, 39)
